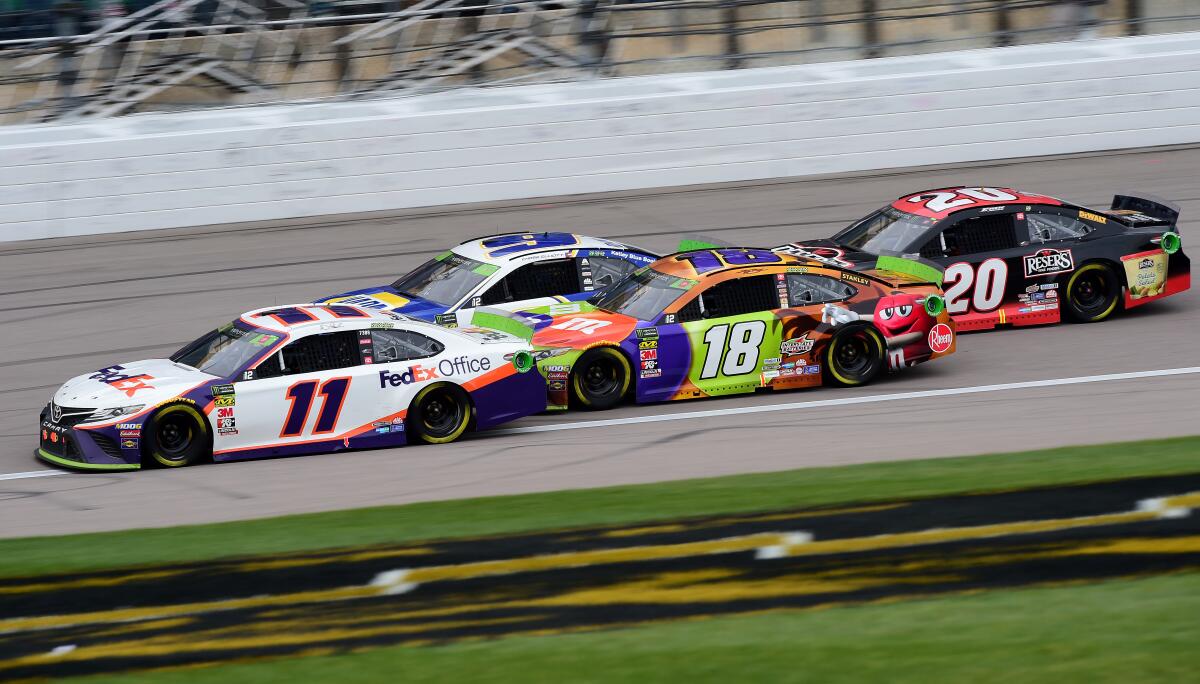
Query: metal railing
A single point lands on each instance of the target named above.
(185, 54)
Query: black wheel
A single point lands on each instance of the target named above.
(440, 414)
(855, 356)
(176, 436)
(600, 378)
(1093, 293)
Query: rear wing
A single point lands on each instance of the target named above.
(1143, 210)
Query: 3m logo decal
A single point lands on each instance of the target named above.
(1048, 261)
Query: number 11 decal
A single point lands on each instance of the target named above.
(333, 395)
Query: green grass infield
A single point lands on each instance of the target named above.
(607, 505)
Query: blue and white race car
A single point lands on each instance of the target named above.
(532, 269)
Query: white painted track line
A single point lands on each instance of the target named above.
(33, 473)
(790, 406)
(869, 399)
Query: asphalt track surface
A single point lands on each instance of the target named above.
(77, 304)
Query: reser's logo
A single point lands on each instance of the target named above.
(129, 384)
(1048, 261)
(940, 338)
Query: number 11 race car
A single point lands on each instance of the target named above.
(292, 380)
(1015, 258)
(727, 321)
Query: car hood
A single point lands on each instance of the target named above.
(387, 299)
(127, 384)
(584, 330)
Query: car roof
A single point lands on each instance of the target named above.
(918, 203)
(680, 265)
(507, 248)
(292, 318)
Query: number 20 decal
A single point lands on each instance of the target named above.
(988, 282)
(944, 201)
(742, 355)
(333, 394)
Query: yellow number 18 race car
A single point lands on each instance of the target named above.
(724, 321)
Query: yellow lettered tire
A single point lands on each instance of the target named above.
(440, 414)
(854, 356)
(1093, 293)
(601, 378)
(176, 435)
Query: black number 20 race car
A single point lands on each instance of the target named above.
(1016, 258)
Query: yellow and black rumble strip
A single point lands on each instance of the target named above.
(350, 599)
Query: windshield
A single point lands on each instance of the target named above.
(887, 230)
(446, 279)
(225, 350)
(643, 295)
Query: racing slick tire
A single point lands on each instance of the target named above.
(440, 414)
(601, 378)
(176, 436)
(855, 356)
(1093, 293)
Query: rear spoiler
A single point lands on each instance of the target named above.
(700, 241)
(1144, 210)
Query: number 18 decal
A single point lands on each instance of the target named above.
(988, 281)
(742, 355)
(333, 395)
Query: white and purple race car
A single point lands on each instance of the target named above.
(293, 380)
(520, 269)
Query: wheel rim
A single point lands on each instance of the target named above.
(1091, 292)
(441, 414)
(175, 434)
(853, 355)
(601, 378)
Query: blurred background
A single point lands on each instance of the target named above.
(77, 59)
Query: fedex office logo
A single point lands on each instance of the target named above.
(413, 374)
(129, 384)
